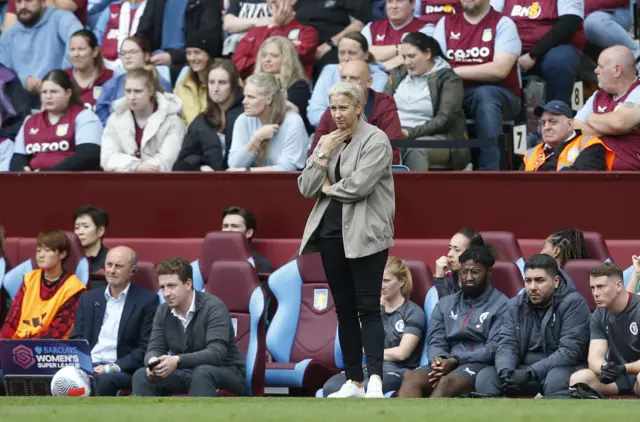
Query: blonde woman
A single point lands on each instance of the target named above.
(267, 137)
(145, 131)
(351, 225)
(404, 328)
(278, 56)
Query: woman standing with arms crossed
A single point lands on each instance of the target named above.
(351, 226)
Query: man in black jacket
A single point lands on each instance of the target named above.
(116, 322)
(167, 24)
(544, 335)
(193, 339)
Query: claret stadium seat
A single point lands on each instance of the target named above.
(76, 263)
(578, 270)
(236, 284)
(596, 246)
(507, 244)
(302, 336)
(219, 246)
(506, 277)
(145, 276)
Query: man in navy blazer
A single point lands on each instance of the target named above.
(117, 323)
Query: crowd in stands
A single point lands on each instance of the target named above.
(435, 72)
(479, 342)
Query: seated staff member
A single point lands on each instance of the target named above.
(194, 340)
(544, 335)
(447, 266)
(562, 148)
(614, 350)
(90, 224)
(463, 332)
(46, 304)
(145, 131)
(116, 321)
(88, 70)
(564, 245)
(404, 326)
(65, 136)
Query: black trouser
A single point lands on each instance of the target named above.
(203, 381)
(355, 286)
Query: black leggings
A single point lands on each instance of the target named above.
(355, 286)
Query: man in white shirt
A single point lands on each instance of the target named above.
(117, 323)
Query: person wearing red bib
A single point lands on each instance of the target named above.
(46, 304)
(65, 136)
(88, 71)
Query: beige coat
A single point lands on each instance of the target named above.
(161, 139)
(194, 97)
(366, 191)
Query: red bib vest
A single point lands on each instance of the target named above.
(48, 144)
(625, 146)
(433, 10)
(534, 19)
(473, 44)
(382, 33)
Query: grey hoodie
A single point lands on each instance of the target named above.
(565, 327)
(467, 328)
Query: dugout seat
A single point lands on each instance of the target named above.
(578, 269)
(145, 276)
(237, 285)
(219, 246)
(302, 337)
(507, 278)
(507, 245)
(76, 263)
(596, 246)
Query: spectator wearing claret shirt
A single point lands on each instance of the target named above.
(88, 71)
(145, 131)
(167, 24)
(278, 57)
(612, 113)
(208, 141)
(429, 97)
(37, 44)
(241, 16)
(78, 7)
(267, 137)
(352, 46)
(283, 23)
(333, 20)
(65, 136)
(192, 89)
(607, 24)
(483, 47)
(552, 41)
(385, 35)
(380, 108)
(431, 11)
(118, 22)
(135, 54)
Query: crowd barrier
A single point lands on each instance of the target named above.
(428, 205)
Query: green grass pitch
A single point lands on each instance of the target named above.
(130, 409)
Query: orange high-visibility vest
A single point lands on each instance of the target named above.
(36, 314)
(534, 157)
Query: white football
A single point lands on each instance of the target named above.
(71, 381)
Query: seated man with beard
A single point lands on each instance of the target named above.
(544, 337)
(463, 332)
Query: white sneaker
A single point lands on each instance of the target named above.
(348, 390)
(374, 388)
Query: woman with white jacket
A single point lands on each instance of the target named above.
(145, 131)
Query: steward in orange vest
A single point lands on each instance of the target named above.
(562, 149)
(46, 304)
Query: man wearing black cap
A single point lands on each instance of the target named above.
(562, 148)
